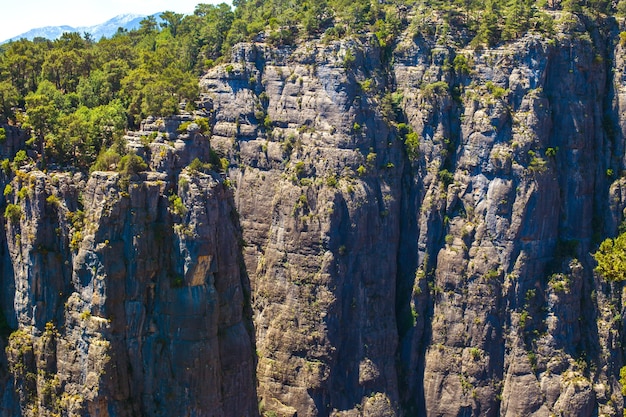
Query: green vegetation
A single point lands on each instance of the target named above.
(611, 258)
(131, 164)
(551, 152)
(536, 163)
(178, 207)
(462, 65)
(6, 166)
(412, 144)
(77, 96)
(53, 200)
(20, 158)
(106, 160)
(215, 163)
(198, 166)
(177, 281)
(475, 353)
(300, 169)
(446, 177)
(439, 87)
(13, 212)
(496, 91)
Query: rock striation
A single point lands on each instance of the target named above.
(397, 230)
(127, 301)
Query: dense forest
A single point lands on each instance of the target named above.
(77, 95)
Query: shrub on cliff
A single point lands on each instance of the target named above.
(611, 258)
(106, 161)
(13, 212)
(131, 164)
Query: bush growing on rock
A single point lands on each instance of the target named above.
(13, 212)
(106, 160)
(132, 164)
(611, 259)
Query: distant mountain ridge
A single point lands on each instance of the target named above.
(106, 29)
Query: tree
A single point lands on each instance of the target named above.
(171, 21)
(108, 124)
(67, 144)
(63, 68)
(106, 160)
(42, 112)
(572, 6)
(9, 98)
(209, 27)
(518, 15)
(147, 25)
(132, 164)
(95, 89)
(132, 91)
(316, 16)
(488, 31)
(22, 63)
(611, 258)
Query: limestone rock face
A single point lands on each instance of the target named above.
(397, 231)
(485, 229)
(127, 303)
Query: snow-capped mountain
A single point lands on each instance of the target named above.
(107, 29)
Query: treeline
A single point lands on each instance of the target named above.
(78, 95)
(489, 21)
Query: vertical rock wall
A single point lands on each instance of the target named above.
(126, 302)
(409, 228)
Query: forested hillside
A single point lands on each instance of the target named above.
(77, 95)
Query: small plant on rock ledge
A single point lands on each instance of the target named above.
(446, 177)
(177, 205)
(177, 281)
(13, 212)
(611, 259)
(475, 353)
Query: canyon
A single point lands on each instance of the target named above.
(396, 230)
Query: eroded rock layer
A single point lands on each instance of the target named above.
(399, 230)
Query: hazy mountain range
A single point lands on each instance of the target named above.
(108, 28)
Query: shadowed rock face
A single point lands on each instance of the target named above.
(409, 236)
(126, 303)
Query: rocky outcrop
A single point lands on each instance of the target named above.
(408, 227)
(318, 190)
(126, 302)
(485, 229)
(508, 292)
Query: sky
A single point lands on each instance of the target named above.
(20, 16)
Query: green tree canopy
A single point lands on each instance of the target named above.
(611, 258)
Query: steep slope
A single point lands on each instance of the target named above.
(317, 190)
(453, 279)
(407, 226)
(126, 303)
(515, 323)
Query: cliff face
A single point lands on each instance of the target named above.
(126, 303)
(403, 230)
